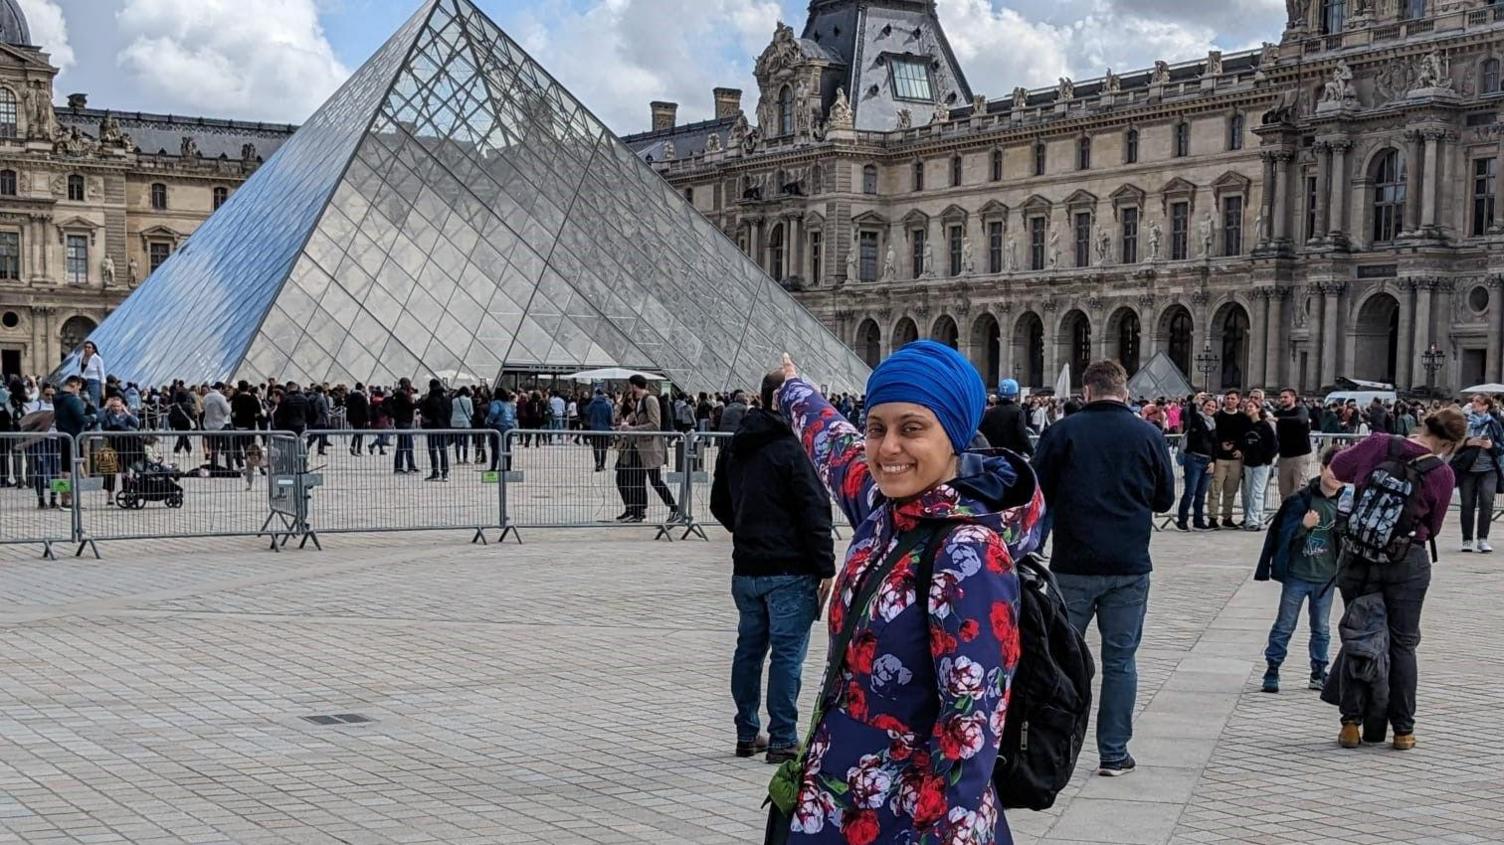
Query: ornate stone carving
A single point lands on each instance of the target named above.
(1103, 243)
(739, 131)
(1432, 72)
(132, 272)
(1206, 235)
(1200, 297)
(1065, 90)
(851, 254)
(905, 119)
(248, 152)
(1020, 98)
(1095, 303)
(978, 105)
(1155, 235)
(41, 121)
(1054, 254)
(1161, 74)
(1213, 63)
(1146, 302)
(70, 143)
(713, 143)
(1284, 108)
(107, 271)
(940, 115)
(109, 132)
(968, 266)
(1051, 304)
(840, 111)
(929, 259)
(1111, 84)
(1338, 90)
(668, 150)
(890, 263)
(1295, 12)
(188, 148)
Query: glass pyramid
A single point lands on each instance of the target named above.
(453, 211)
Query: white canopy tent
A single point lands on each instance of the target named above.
(612, 374)
(1493, 388)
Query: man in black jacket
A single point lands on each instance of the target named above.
(435, 411)
(1292, 428)
(401, 408)
(357, 415)
(293, 411)
(1003, 425)
(767, 495)
(1104, 474)
(1227, 477)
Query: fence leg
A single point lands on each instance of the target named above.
(512, 530)
(92, 547)
(480, 535)
(47, 550)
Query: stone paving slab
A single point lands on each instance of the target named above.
(574, 690)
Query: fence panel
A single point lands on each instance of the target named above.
(34, 467)
(573, 479)
(403, 480)
(149, 484)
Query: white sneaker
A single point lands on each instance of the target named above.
(1467, 545)
(1484, 547)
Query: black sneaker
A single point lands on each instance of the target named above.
(781, 755)
(636, 517)
(1271, 680)
(1117, 768)
(1318, 681)
(1201, 526)
(1182, 525)
(624, 516)
(1227, 523)
(746, 748)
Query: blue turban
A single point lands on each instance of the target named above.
(933, 376)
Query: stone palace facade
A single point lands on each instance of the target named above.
(91, 201)
(1325, 206)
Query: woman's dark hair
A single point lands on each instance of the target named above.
(771, 382)
(1447, 424)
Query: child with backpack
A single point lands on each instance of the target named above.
(1300, 552)
(1403, 487)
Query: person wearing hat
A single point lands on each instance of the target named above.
(1003, 425)
(903, 750)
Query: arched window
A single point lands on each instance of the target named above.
(7, 113)
(75, 188)
(8, 183)
(222, 193)
(1490, 81)
(1130, 147)
(1235, 132)
(786, 111)
(997, 165)
(1083, 153)
(158, 196)
(1182, 140)
(1388, 172)
(869, 179)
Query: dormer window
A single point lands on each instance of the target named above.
(911, 80)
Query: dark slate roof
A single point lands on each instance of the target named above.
(13, 28)
(153, 133)
(688, 139)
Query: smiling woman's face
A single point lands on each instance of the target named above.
(908, 450)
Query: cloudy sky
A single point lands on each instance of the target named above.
(276, 60)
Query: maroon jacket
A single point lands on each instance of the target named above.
(1354, 464)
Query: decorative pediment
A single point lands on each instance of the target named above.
(993, 208)
(814, 220)
(76, 224)
(869, 218)
(13, 57)
(1231, 183)
(1036, 204)
(1081, 199)
(161, 233)
(916, 218)
(954, 214)
(1127, 195)
(1178, 190)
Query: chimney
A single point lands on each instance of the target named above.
(728, 102)
(78, 102)
(664, 114)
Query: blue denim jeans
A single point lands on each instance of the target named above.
(776, 614)
(1198, 478)
(1119, 603)
(1295, 593)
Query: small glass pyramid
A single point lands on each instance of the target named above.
(449, 212)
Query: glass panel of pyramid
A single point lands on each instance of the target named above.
(452, 211)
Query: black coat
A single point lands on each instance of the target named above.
(1004, 428)
(294, 412)
(1200, 439)
(1293, 430)
(357, 410)
(1259, 446)
(436, 409)
(401, 408)
(766, 493)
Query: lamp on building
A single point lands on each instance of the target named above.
(1206, 364)
(1432, 359)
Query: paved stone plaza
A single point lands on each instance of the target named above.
(573, 689)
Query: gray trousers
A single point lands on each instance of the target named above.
(1477, 491)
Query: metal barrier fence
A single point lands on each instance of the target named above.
(35, 504)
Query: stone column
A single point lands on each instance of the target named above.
(1274, 338)
(1498, 224)
(1281, 220)
(1403, 355)
(1051, 354)
(1428, 196)
(1270, 188)
(1424, 289)
(1332, 292)
(1496, 311)
(1324, 189)
(794, 253)
(1338, 230)
(1258, 339)
(1004, 342)
(1413, 176)
(1441, 313)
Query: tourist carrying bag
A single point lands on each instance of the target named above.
(783, 790)
(1387, 507)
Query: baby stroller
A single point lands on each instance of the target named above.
(152, 482)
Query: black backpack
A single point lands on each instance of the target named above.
(1049, 704)
(1386, 509)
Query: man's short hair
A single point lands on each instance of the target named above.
(73, 380)
(1106, 378)
(1289, 390)
(770, 385)
(638, 380)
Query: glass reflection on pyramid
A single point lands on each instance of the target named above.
(453, 211)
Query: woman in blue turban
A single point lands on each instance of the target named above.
(924, 610)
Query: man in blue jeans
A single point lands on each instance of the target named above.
(1105, 473)
(767, 495)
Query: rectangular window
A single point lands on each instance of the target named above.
(1039, 159)
(1083, 239)
(957, 236)
(995, 246)
(1130, 235)
(1036, 243)
(10, 255)
(911, 80)
(78, 259)
(75, 189)
(1182, 140)
(158, 255)
(1180, 230)
(1311, 200)
(868, 254)
(1333, 16)
(916, 238)
(918, 175)
(1130, 147)
(815, 244)
(955, 172)
(1083, 154)
(997, 165)
(1483, 194)
(1232, 226)
(7, 114)
(689, 196)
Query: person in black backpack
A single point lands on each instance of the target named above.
(1403, 489)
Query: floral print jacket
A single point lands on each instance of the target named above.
(905, 755)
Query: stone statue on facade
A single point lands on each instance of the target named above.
(713, 143)
(1054, 254)
(967, 265)
(738, 131)
(1260, 228)
(1012, 254)
(248, 152)
(41, 120)
(940, 115)
(1206, 235)
(132, 272)
(1111, 83)
(109, 131)
(1103, 245)
(1432, 72)
(668, 150)
(107, 271)
(1339, 88)
(840, 111)
(1213, 63)
(1155, 234)
(1295, 11)
(890, 264)
(851, 255)
(978, 105)
(1020, 98)
(1161, 74)
(905, 119)
(929, 259)
(1065, 90)
(188, 148)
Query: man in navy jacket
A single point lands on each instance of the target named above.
(1105, 473)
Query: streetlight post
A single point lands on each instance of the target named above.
(1432, 359)
(1206, 363)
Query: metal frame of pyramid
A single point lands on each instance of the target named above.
(452, 211)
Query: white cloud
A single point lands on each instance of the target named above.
(999, 49)
(49, 30)
(268, 61)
